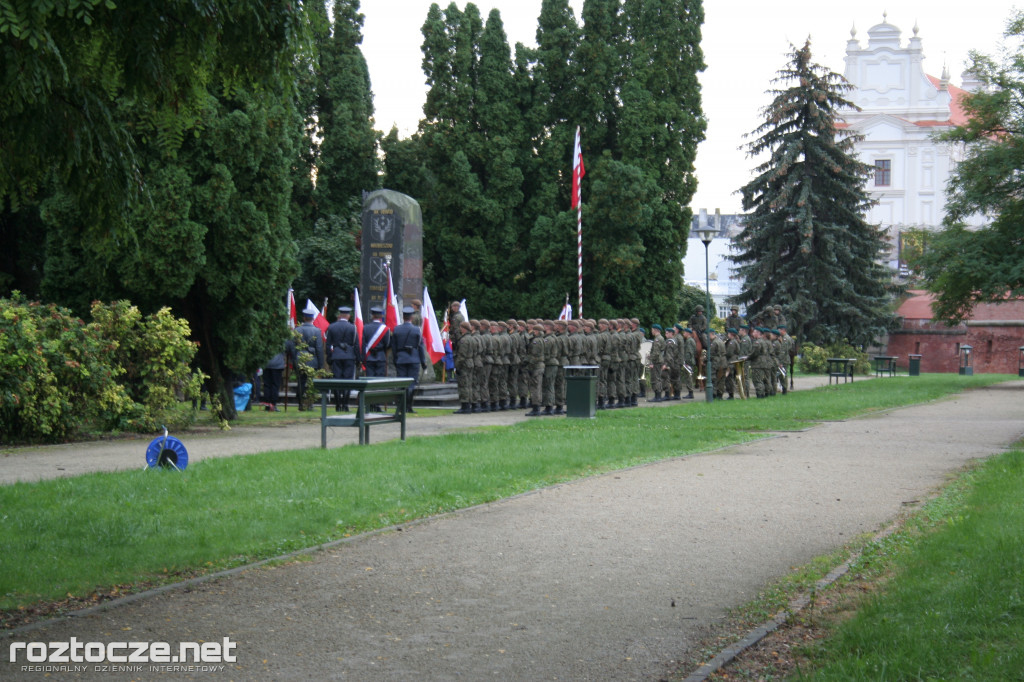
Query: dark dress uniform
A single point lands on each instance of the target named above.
(342, 348)
(410, 357)
(376, 360)
(312, 342)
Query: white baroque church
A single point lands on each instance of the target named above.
(901, 109)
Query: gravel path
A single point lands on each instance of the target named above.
(608, 578)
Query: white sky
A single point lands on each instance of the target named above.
(744, 43)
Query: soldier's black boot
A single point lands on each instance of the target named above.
(558, 410)
(494, 406)
(633, 401)
(600, 403)
(503, 405)
(464, 408)
(656, 398)
(522, 403)
(535, 412)
(688, 395)
(477, 408)
(547, 411)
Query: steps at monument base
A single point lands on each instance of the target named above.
(437, 395)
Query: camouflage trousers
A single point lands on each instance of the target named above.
(482, 384)
(657, 383)
(464, 376)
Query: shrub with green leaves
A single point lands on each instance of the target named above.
(814, 359)
(153, 355)
(60, 376)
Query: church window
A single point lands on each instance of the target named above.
(883, 172)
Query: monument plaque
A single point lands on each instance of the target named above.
(392, 237)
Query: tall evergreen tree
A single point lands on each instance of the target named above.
(470, 180)
(347, 162)
(806, 245)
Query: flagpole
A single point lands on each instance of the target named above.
(579, 258)
(578, 172)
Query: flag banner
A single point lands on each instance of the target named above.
(566, 313)
(320, 322)
(358, 322)
(578, 171)
(391, 306)
(463, 309)
(292, 312)
(431, 334)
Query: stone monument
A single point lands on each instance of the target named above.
(392, 237)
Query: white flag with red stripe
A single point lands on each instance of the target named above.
(391, 306)
(292, 312)
(358, 322)
(431, 334)
(578, 171)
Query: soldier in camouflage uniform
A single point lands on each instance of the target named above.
(746, 344)
(484, 364)
(690, 360)
(552, 361)
(718, 362)
(732, 354)
(464, 366)
(604, 362)
(536, 363)
(656, 362)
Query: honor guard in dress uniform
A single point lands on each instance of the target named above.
(342, 348)
(410, 356)
(376, 342)
(313, 343)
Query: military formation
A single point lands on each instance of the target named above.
(521, 364)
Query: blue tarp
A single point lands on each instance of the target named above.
(242, 394)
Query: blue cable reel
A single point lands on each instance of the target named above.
(166, 453)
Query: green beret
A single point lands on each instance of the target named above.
(732, 330)
(681, 328)
(656, 326)
(641, 330)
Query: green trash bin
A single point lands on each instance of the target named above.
(915, 365)
(581, 391)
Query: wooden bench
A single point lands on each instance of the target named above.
(885, 364)
(371, 391)
(840, 367)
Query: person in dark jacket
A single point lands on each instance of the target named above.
(376, 342)
(410, 356)
(312, 342)
(342, 348)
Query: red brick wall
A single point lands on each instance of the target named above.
(996, 348)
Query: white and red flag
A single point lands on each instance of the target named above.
(391, 306)
(431, 334)
(578, 171)
(319, 321)
(566, 313)
(292, 312)
(358, 321)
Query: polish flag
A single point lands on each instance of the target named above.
(577, 170)
(431, 334)
(359, 324)
(319, 321)
(391, 306)
(292, 313)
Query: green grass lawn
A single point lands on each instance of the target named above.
(77, 535)
(954, 606)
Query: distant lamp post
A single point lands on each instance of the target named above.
(1020, 363)
(706, 233)
(966, 361)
